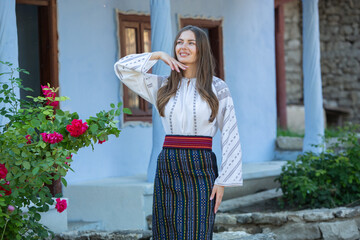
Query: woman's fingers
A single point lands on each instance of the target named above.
(219, 192)
(218, 201)
(213, 193)
(172, 62)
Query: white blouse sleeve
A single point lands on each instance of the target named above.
(230, 173)
(132, 71)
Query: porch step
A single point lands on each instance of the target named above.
(248, 200)
(286, 155)
(84, 226)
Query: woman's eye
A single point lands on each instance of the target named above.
(179, 42)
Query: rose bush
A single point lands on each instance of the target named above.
(36, 148)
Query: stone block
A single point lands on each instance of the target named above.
(244, 218)
(298, 231)
(347, 212)
(289, 143)
(277, 219)
(226, 219)
(317, 215)
(295, 217)
(346, 230)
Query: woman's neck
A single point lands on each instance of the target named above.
(190, 72)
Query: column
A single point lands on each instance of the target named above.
(313, 101)
(8, 42)
(161, 40)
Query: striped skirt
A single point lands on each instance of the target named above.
(185, 175)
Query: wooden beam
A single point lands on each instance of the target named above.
(280, 66)
(281, 2)
(34, 2)
(54, 52)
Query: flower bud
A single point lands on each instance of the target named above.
(11, 208)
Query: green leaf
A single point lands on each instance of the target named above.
(94, 128)
(26, 165)
(119, 104)
(35, 170)
(64, 181)
(35, 122)
(118, 112)
(112, 105)
(127, 111)
(30, 131)
(60, 112)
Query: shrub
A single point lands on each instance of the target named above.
(328, 179)
(36, 148)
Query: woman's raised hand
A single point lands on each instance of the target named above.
(166, 58)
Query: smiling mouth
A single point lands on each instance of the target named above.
(184, 54)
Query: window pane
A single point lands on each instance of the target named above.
(133, 100)
(130, 35)
(147, 40)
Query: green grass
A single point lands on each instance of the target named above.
(329, 133)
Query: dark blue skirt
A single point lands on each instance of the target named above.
(183, 183)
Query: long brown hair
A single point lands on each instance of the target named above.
(204, 74)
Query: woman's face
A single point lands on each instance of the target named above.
(186, 48)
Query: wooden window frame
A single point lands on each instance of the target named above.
(215, 31)
(141, 23)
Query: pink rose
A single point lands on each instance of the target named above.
(77, 127)
(101, 142)
(3, 171)
(28, 138)
(61, 205)
(7, 192)
(50, 94)
(52, 138)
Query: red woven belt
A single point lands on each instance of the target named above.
(194, 142)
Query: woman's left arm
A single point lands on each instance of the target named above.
(230, 173)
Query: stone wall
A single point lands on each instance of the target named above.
(340, 54)
(327, 224)
(293, 52)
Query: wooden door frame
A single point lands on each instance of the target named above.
(215, 30)
(49, 52)
(280, 62)
(48, 47)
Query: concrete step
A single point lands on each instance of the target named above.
(84, 226)
(232, 204)
(286, 155)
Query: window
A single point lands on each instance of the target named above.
(214, 30)
(135, 37)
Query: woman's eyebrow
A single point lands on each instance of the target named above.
(180, 39)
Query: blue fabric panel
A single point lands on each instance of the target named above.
(8, 42)
(313, 101)
(161, 40)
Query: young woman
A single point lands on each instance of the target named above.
(193, 104)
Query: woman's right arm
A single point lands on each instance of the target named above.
(132, 71)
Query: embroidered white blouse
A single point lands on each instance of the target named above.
(187, 113)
